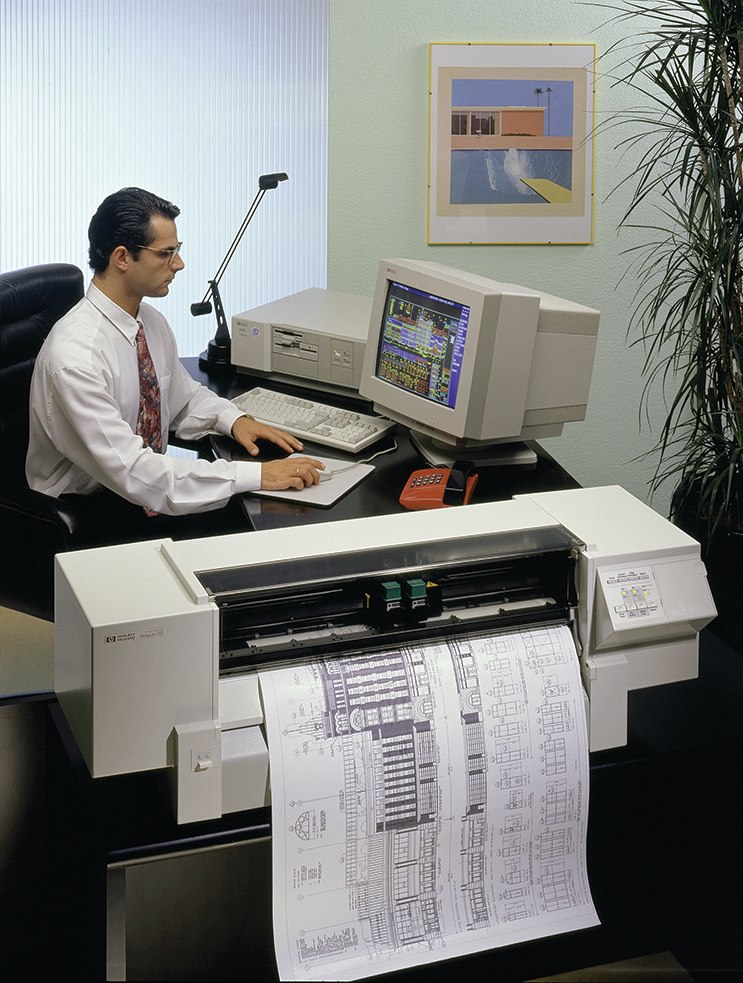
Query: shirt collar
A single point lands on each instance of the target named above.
(125, 323)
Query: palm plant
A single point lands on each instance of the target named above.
(688, 308)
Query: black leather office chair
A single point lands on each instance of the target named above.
(33, 526)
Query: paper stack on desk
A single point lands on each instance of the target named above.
(428, 802)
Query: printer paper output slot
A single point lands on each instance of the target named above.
(332, 640)
(360, 644)
(293, 610)
(303, 613)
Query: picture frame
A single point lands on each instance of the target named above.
(510, 143)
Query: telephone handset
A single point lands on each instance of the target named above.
(437, 488)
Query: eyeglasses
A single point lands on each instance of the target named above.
(169, 254)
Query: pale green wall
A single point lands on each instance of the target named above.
(378, 152)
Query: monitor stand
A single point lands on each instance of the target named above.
(486, 456)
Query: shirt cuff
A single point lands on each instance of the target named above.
(248, 476)
(226, 420)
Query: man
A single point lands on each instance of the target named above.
(108, 386)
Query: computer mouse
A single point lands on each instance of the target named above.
(325, 475)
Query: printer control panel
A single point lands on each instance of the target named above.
(632, 594)
(662, 597)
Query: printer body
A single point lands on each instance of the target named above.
(157, 660)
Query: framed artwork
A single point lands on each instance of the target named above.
(510, 143)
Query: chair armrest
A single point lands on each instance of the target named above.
(68, 522)
(33, 528)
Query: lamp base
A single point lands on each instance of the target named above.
(216, 356)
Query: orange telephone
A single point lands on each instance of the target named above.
(439, 488)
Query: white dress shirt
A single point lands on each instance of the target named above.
(83, 415)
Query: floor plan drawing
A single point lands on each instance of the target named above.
(427, 801)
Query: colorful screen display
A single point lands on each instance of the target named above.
(422, 343)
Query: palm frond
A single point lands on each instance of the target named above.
(684, 63)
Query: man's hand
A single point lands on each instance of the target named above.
(298, 472)
(247, 431)
(293, 472)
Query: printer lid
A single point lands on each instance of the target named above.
(408, 558)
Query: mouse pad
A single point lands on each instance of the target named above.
(346, 475)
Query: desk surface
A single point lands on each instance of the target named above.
(379, 493)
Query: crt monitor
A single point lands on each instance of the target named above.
(474, 366)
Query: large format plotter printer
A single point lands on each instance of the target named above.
(157, 643)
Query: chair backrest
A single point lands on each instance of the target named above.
(31, 301)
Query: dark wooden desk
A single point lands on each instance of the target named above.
(379, 493)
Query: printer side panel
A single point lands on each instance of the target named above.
(150, 677)
(73, 663)
(135, 657)
(643, 599)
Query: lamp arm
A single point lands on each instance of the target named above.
(235, 243)
(218, 351)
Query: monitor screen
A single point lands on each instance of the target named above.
(422, 343)
(470, 364)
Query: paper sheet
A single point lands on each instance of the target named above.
(427, 802)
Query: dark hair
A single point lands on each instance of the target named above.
(123, 219)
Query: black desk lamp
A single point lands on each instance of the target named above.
(217, 354)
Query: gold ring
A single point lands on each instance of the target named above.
(296, 471)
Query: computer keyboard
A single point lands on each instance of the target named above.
(316, 422)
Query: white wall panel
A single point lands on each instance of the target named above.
(191, 99)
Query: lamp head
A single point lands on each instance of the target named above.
(202, 307)
(268, 181)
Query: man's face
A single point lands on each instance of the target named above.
(154, 269)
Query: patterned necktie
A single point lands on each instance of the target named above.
(148, 418)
